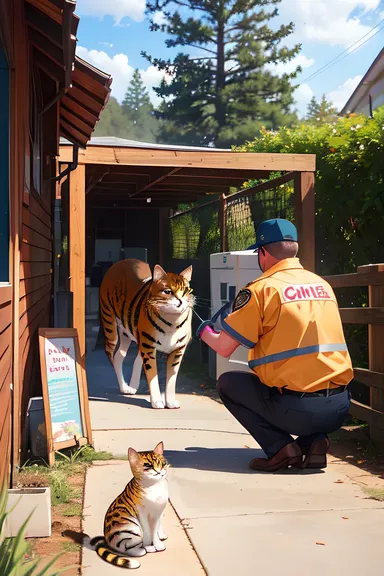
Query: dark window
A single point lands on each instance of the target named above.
(4, 167)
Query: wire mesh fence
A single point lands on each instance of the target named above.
(195, 233)
(244, 213)
(198, 232)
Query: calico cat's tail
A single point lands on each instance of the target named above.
(99, 544)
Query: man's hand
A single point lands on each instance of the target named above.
(220, 342)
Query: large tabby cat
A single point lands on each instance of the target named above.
(132, 524)
(155, 312)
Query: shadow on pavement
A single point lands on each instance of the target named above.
(234, 460)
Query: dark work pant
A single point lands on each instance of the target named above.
(271, 417)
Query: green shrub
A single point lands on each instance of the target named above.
(349, 186)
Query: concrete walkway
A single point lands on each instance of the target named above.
(223, 518)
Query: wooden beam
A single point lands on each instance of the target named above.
(369, 378)
(365, 315)
(95, 179)
(304, 185)
(220, 174)
(269, 185)
(376, 351)
(247, 161)
(155, 181)
(77, 252)
(356, 279)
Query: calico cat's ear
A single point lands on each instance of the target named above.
(133, 457)
(159, 273)
(187, 273)
(159, 450)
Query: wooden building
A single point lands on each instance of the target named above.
(45, 92)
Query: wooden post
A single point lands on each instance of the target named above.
(304, 187)
(163, 229)
(223, 223)
(77, 252)
(376, 350)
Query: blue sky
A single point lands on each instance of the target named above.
(113, 33)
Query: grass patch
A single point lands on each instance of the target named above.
(73, 509)
(374, 493)
(67, 463)
(69, 547)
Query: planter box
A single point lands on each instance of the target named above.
(36, 500)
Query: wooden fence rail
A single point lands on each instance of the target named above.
(371, 276)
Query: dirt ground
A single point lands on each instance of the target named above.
(66, 529)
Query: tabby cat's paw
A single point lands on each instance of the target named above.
(173, 404)
(158, 405)
(158, 548)
(163, 536)
(128, 390)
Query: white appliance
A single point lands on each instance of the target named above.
(230, 272)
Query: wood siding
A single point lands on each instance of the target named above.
(34, 298)
(25, 305)
(5, 379)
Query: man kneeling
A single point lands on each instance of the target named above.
(300, 366)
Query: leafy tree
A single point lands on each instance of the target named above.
(113, 122)
(349, 186)
(323, 111)
(138, 109)
(227, 89)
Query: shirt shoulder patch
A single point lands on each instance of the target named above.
(301, 292)
(241, 299)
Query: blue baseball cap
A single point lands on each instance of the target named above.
(275, 230)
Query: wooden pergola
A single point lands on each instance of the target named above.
(126, 175)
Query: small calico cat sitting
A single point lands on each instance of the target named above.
(132, 524)
(153, 311)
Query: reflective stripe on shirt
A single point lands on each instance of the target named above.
(297, 352)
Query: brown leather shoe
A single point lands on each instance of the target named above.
(290, 455)
(316, 454)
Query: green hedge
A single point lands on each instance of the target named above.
(349, 186)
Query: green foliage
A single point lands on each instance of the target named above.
(113, 122)
(139, 111)
(320, 112)
(14, 550)
(349, 186)
(226, 90)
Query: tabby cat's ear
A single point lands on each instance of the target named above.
(187, 273)
(159, 450)
(133, 457)
(159, 273)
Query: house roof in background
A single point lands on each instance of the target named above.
(84, 90)
(113, 142)
(375, 71)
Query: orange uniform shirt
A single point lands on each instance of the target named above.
(290, 321)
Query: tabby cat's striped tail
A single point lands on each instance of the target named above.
(108, 322)
(101, 547)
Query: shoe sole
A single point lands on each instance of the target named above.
(294, 462)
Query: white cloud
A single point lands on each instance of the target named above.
(340, 96)
(107, 44)
(288, 67)
(159, 18)
(118, 9)
(303, 95)
(335, 22)
(121, 71)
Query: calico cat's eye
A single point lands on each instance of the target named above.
(167, 291)
(147, 466)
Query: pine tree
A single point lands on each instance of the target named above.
(224, 89)
(138, 109)
(321, 112)
(113, 122)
